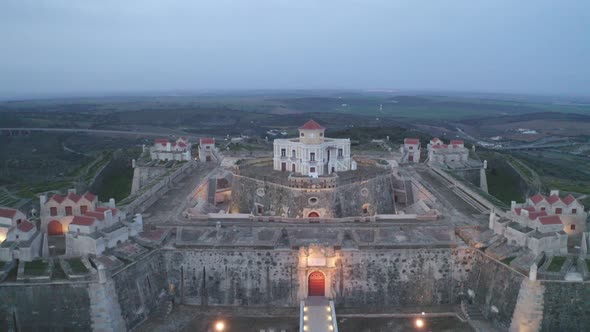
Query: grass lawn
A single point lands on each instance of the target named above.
(117, 185)
(588, 264)
(556, 263)
(37, 267)
(503, 186)
(2, 265)
(77, 266)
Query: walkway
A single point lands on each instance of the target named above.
(318, 315)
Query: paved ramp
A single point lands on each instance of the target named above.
(317, 314)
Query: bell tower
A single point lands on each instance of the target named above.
(311, 133)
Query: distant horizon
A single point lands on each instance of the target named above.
(238, 91)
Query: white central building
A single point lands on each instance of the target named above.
(311, 153)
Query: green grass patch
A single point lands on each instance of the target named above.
(503, 186)
(77, 266)
(507, 260)
(117, 184)
(36, 268)
(2, 265)
(556, 263)
(588, 264)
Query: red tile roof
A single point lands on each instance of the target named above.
(535, 215)
(102, 209)
(58, 198)
(89, 196)
(441, 146)
(161, 141)
(553, 199)
(182, 145)
(528, 208)
(73, 197)
(95, 214)
(550, 220)
(537, 199)
(457, 142)
(569, 199)
(412, 141)
(207, 140)
(83, 221)
(311, 125)
(7, 213)
(25, 226)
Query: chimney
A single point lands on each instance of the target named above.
(72, 191)
(43, 199)
(485, 164)
(168, 146)
(512, 205)
(133, 163)
(112, 203)
(554, 193)
(108, 216)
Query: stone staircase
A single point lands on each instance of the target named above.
(471, 311)
(164, 309)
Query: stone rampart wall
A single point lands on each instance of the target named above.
(139, 287)
(270, 277)
(493, 284)
(45, 307)
(349, 200)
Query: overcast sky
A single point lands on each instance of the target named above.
(78, 46)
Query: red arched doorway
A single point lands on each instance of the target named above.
(313, 215)
(316, 284)
(55, 228)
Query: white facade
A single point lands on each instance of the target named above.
(449, 154)
(23, 241)
(206, 149)
(9, 218)
(410, 150)
(163, 149)
(311, 153)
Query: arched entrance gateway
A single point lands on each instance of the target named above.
(313, 215)
(55, 228)
(316, 284)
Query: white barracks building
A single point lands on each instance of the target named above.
(312, 153)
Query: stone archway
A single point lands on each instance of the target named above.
(55, 228)
(316, 284)
(313, 214)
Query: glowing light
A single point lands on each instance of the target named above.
(329, 317)
(219, 326)
(327, 308)
(305, 318)
(331, 328)
(304, 327)
(419, 323)
(304, 309)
